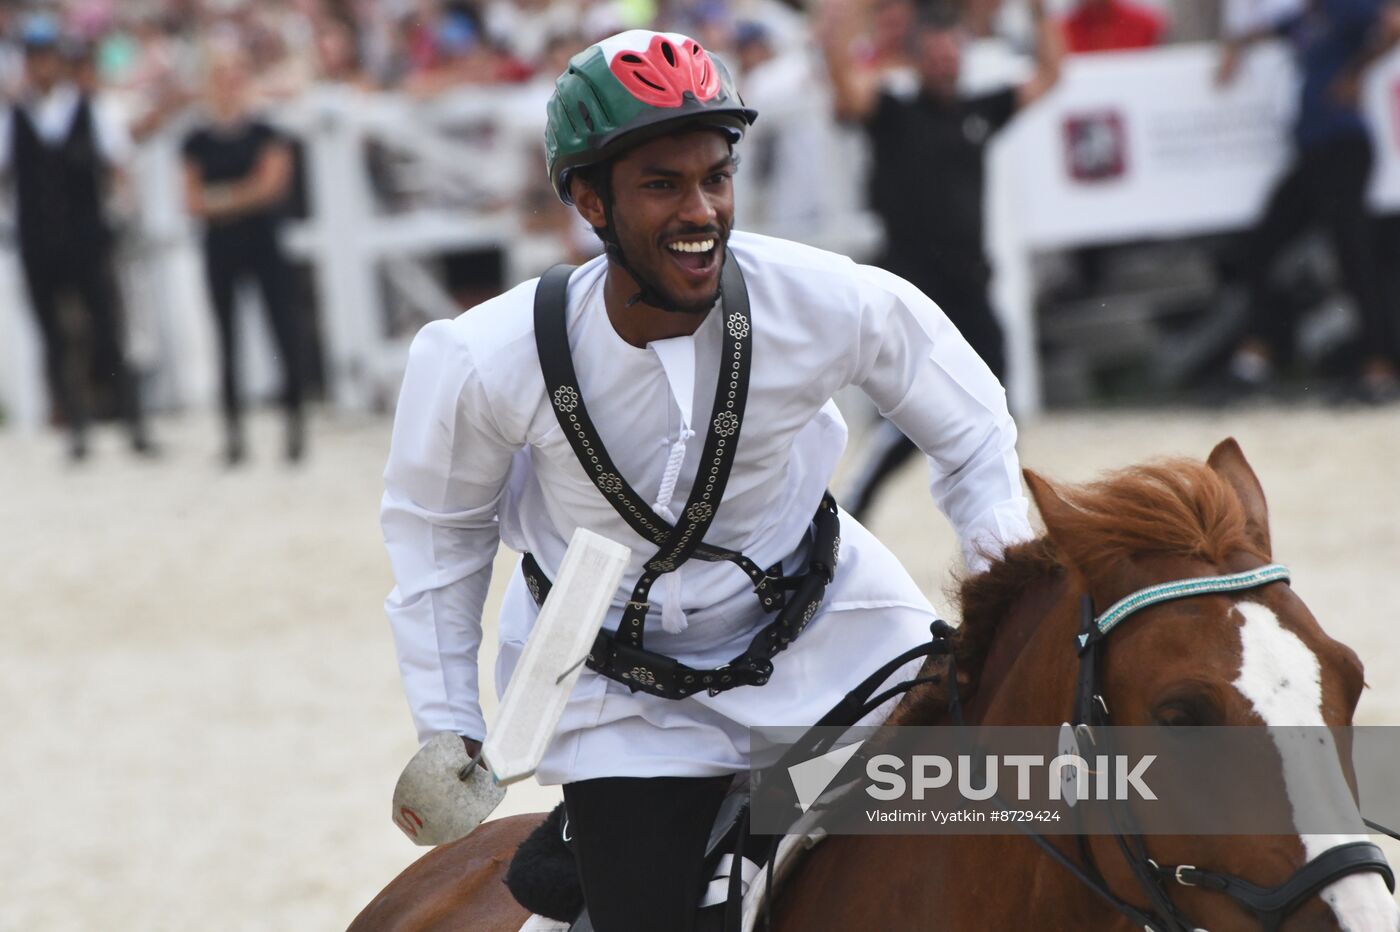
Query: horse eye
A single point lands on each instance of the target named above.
(1173, 715)
(1178, 713)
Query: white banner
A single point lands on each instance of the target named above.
(1146, 145)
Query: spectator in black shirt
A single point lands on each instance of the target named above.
(926, 183)
(238, 174)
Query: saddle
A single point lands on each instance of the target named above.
(543, 876)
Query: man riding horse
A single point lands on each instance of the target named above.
(581, 401)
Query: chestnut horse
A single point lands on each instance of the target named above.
(1253, 657)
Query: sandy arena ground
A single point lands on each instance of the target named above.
(200, 715)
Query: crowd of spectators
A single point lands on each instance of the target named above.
(153, 48)
(148, 56)
(876, 65)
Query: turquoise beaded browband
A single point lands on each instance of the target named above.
(1184, 588)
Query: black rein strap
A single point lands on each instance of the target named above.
(1273, 904)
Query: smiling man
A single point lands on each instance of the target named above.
(673, 395)
(676, 240)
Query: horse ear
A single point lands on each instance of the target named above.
(1054, 510)
(1065, 526)
(1227, 459)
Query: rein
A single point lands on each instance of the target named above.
(1271, 905)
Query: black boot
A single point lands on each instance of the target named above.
(235, 450)
(78, 450)
(141, 443)
(296, 437)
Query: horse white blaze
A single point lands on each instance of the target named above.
(1282, 678)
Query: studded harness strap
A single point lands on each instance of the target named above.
(623, 656)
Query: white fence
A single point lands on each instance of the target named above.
(459, 167)
(1138, 145)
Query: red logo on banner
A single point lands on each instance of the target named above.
(1096, 147)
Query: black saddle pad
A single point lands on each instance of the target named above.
(543, 876)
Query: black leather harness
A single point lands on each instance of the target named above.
(1271, 906)
(795, 598)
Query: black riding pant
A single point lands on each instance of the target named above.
(1326, 186)
(242, 251)
(84, 274)
(640, 847)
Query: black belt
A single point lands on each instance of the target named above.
(650, 672)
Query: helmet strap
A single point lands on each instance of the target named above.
(647, 293)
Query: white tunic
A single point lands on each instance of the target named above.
(478, 459)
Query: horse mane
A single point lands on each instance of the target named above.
(1176, 507)
(986, 599)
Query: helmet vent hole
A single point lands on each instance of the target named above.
(669, 52)
(652, 84)
(587, 117)
(631, 59)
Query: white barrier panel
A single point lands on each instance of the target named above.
(22, 393)
(1383, 104)
(1146, 145)
(472, 153)
(1130, 146)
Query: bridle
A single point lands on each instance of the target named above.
(1270, 905)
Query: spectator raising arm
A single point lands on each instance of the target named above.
(1049, 54)
(855, 90)
(1383, 26)
(1234, 48)
(1384, 33)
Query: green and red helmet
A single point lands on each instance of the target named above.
(632, 87)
